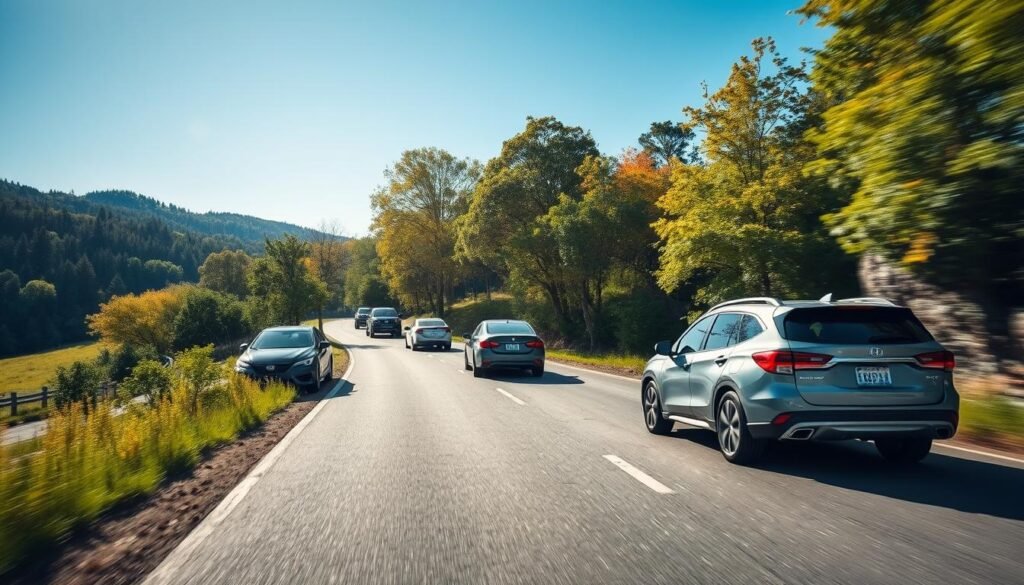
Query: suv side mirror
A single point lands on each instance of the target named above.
(324, 344)
(243, 347)
(406, 328)
(663, 348)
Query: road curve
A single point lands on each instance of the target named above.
(415, 472)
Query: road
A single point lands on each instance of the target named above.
(415, 472)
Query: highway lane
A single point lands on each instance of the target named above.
(416, 472)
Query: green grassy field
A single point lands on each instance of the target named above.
(29, 373)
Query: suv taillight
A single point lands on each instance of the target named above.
(780, 361)
(939, 360)
(488, 344)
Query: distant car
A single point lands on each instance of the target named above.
(298, 355)
(362, 314)
(503, 344)
(761, 369)
(428, 333)
(384, 320)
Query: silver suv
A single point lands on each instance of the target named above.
(761, 369)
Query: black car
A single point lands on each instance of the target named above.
(297, 355)
(384, 320)
(362, 314)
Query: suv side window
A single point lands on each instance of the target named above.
(723, 333)
(694, 336)
(749, 328)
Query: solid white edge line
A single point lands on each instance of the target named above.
(979, 452)
(511, 397)
(165, 571)
(638, 475)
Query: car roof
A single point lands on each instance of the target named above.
(772, 304)
(505, 321)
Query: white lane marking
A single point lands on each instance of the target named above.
(979, 452)
(166, 570)
(461, 371)
(510, 397)
(639, 475)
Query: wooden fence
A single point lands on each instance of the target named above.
(14, 399)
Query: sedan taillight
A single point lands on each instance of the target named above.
(488, 344)
(779, 361)
(939, 360)
(535, 344)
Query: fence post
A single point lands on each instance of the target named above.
(14, 403)
(46, 393)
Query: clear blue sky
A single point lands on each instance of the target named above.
(292, 110)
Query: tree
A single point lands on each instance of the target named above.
(75, 383)
(667, 141)
(364, 285)
(327, 253)
(504, 227)
(145, 319)
(748, 217)
(282, 281)
(226, 272)
(925, 129)
(414, 217)
(206, 317)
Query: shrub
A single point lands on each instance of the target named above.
(122, 361)
(195, 372)
(207, 316)
(148, 378)
(76, 383)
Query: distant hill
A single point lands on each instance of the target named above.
(244, 227)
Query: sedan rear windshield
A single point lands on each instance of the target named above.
(509, 328)
(430, 323)
(384, 313)
(283, 339)
(855, 326)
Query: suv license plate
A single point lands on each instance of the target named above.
(878, 376)
(511, 347)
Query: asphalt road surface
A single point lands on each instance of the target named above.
(415, 472)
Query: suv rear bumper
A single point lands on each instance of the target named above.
(834, 425)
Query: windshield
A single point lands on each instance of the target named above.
(384, 313)
(283, 339)
(855, 326)
(506, 328)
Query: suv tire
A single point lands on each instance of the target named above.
(734, 439)
(656, 424)
(905, 451)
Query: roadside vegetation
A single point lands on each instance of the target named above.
(94, 456)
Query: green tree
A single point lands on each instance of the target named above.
(147, 378)
(283, 281)
(414, 216)
(364, 285)
(667, 141)
(505, 227)
(76, 383)
(207, 316)
(327, 252)
(226, 272)
(747, 216)
(925, 128)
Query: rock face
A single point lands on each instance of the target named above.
(956, 322)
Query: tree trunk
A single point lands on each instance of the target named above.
(588, 313)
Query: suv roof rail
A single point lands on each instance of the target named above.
(880, 300)
(750, 301)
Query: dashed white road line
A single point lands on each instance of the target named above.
(639, 475)
(461, 371)
(511, 397)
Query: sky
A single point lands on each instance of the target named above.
(292, 110)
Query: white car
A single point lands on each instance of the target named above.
(428, 333)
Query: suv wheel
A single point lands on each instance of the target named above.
(656, 424)
(734, 439)
(904, 451)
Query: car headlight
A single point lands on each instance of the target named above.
(242, 363)
(306, 362)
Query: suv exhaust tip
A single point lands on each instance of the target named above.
(801, 434)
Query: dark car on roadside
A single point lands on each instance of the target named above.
(362, 314)
(297, 355)
(384, 321)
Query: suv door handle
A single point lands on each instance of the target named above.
(720, 360)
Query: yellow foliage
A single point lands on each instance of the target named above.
(143, 319)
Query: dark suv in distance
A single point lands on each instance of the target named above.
(762, 369)
(297, 355)
(362, 314)
(384, 320)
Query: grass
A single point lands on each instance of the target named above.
(628, 364)
(995, 420)
(29, 373)
(90, 460)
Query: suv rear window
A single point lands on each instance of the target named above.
(855, 326)
(384, 313)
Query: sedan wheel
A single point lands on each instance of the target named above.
(656, 424)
